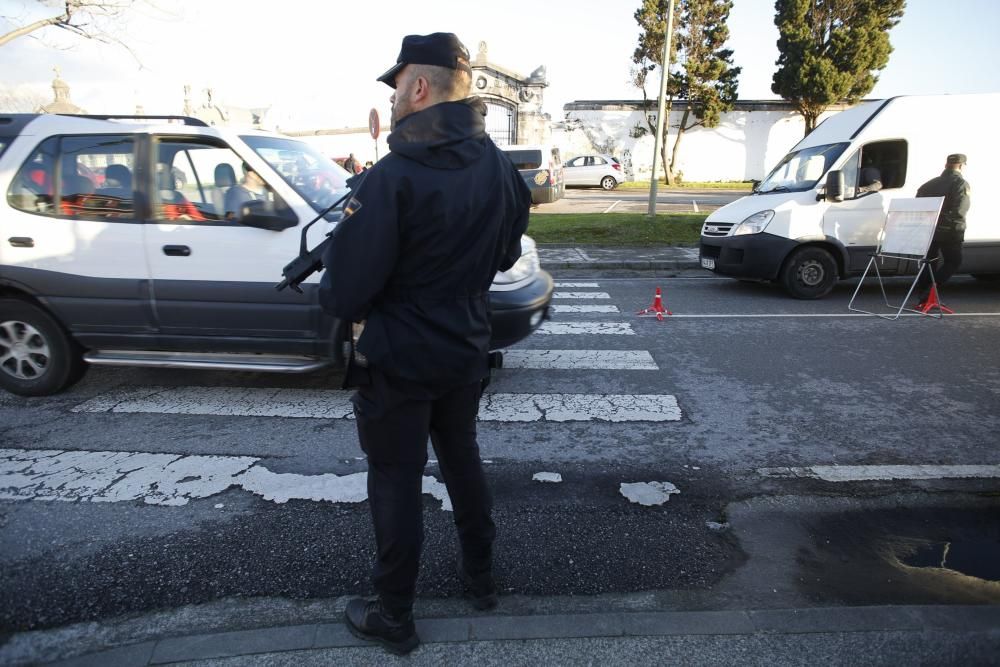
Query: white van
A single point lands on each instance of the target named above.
(798, 230)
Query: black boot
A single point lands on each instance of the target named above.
(370, 621)
(480, 588)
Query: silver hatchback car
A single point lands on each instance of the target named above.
(593, 170)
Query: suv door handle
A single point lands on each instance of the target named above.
(177, 250)
(21, 241)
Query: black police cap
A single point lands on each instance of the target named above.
(443, 49)
(956, 158)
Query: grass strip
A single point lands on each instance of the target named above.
(709, 185)
(616, 229)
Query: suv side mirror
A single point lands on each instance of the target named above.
(835, 186)
(259, 215)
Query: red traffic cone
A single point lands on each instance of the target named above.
(657, 308)
(932, 301)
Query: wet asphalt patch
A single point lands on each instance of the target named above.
(907, 555)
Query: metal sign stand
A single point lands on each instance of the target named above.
(906, 236)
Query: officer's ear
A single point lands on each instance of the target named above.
(421, 89)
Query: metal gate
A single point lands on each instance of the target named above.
(501, 123)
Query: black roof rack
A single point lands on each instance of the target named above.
(187, 120)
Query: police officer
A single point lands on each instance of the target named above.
(427, 228)
(950, 231)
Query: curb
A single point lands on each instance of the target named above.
(625, 625)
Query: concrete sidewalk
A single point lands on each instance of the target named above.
(830, 636)
(554, 256)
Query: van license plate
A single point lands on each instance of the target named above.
(707, 263)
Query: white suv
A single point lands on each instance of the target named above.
(158, 242)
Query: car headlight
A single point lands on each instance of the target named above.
(755, 224)
(525, 267)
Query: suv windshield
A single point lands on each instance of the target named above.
(525, 159)
(802, 169)
(311, 174)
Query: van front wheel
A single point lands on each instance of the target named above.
(810, 273)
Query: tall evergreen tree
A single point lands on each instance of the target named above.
(701, 70)
(710, 81)
(648, 56)
(831, 50)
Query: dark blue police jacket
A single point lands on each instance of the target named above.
(428, 228)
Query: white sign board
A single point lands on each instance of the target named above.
(909, 226)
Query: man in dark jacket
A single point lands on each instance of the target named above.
(425, 231)
(950, 230)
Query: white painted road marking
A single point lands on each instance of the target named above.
(169, 479)
(886, 472)
(648, 494)
(612, 207)
(572, 308)
(639, 360)
(581, 295)
(725, 316)
(335, 404)
(579, 407)
(576, 284)
(226, 401)
(580, 328)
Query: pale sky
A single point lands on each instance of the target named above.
(314, 62)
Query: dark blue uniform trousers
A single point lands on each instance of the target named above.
(945, 254)
(394, 420)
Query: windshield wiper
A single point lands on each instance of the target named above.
(780, 188)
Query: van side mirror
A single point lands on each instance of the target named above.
(754, 184)
(835, 186)
(260, 214)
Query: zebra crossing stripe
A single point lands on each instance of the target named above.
(637, 360)
(335, 404)
(581, 295)
(169, 479)
(583, 308)
(576, 285)
(581, 328)
(579, 407)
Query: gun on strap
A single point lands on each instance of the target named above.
(309, 261)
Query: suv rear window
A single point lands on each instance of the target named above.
(526, 159)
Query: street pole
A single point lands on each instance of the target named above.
(661, 107)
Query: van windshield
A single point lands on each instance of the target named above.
(802, 169)
(314, 176)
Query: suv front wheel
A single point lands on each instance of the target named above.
(37, 358)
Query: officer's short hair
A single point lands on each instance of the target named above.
(451, 84)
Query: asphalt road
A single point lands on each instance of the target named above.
(783, 439)
(595, 200)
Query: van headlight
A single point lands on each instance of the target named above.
(755, 224)
(525, 267)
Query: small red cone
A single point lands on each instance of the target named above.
(657, 308)
(932, 301)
